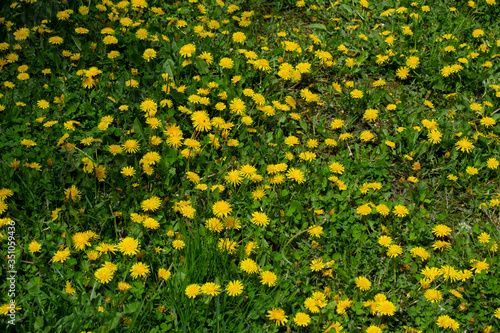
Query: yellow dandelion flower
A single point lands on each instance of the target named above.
(139, 269)
(278, 315)
(150, 205)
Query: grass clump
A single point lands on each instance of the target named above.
(211, 166)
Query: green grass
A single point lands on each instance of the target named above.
(207, 142)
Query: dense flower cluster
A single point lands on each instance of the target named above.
(199, 164)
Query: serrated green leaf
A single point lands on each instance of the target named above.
(168, 66)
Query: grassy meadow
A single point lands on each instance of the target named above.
(250, 166)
